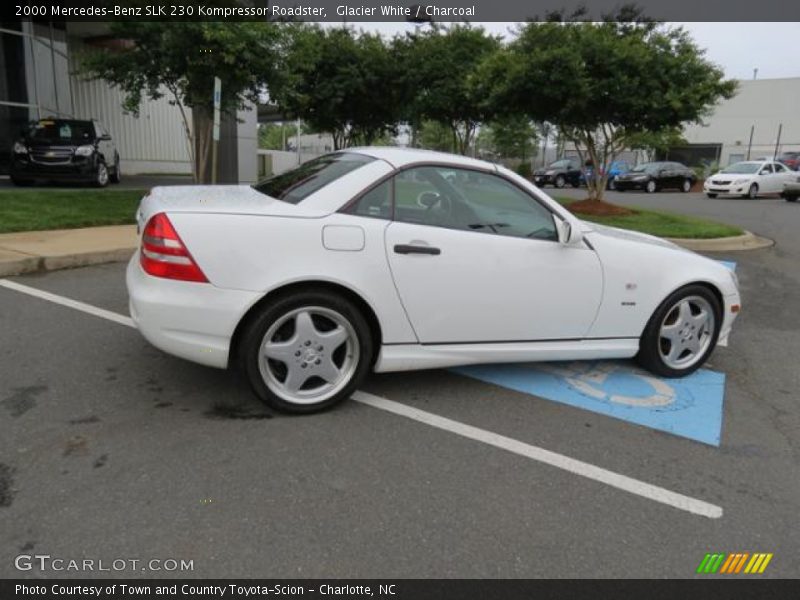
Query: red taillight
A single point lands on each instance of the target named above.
(164, 254)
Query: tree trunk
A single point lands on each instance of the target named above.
(203, 128)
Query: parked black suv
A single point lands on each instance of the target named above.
(65, 150)
(559, 173)
(655, 176)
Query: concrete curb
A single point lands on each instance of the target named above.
(33, 264)
(746, 241)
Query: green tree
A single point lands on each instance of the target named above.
(273, 136)
(441, 66)
(341, 82)
(179, 60)
(433, 135)
(605, 85)
(513, 136)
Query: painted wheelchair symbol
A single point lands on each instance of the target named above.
(617, 383)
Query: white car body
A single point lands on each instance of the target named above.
(769, 175)
(485, 298)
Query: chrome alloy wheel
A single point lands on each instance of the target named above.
(686, 332)
(102, 174)
(308, 355)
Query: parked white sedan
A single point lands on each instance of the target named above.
(749, 179)
(390, 259)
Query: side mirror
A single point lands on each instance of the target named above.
(567, 234)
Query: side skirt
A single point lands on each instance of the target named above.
(409, 357)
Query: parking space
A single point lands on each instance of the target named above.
(110, 448)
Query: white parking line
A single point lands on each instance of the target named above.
(622, 482)
(81, 306)
(559, 461)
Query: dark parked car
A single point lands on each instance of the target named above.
(559, 173)
(65, 150)
(791, 191)
(791, 160)
(615, 169)
(655, 176)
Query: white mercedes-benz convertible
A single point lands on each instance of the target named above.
(391, 259)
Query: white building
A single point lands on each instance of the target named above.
(764, 107)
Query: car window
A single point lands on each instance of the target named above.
(779, 168)
(299, 183)
(377, 202)
(767, 168)
(62, 130)
(470, 201)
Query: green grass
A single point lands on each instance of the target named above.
(39, 209)
(662, 224)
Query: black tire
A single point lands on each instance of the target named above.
(21, 182)
(752, 192)
(710, 195)
(791, 198)
(559, 181)
(576, 183)
(611, 185)
(250, 348)
(686, 186)
(651, 187)
(101, 176)
(649, 355)
(115, 176)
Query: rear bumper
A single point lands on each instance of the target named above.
(194, 321)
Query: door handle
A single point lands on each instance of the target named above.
(411, 249)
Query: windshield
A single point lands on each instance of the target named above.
(299, 183)
(646, 168)
(561, 164)
(60, 130)
(742, 167)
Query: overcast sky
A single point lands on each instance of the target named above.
(738, 48)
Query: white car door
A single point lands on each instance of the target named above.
(476, 259)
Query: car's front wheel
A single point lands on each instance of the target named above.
(650, 187)
(560, 181)
(682, 332)
(101, 175)
(307, 352)
(710, 195)
(686, 186)
(752, 193)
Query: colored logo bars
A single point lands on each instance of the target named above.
(740, 562)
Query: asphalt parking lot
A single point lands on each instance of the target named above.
(110, 449)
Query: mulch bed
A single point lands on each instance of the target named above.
(598, 208)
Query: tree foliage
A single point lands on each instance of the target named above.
(605, 85)
(442, 68)
(342, 82)
(513, 136)
(180, 60)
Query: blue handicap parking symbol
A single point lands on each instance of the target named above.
(690, 407)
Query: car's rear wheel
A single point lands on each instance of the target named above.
(21, 182)
(682, 332)
(650, 187)
(710, 195)
(752, 193)
(101, 175)
(611, 185)
(307, 352)
(686, 186)
(791, 198)
(560, 181)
